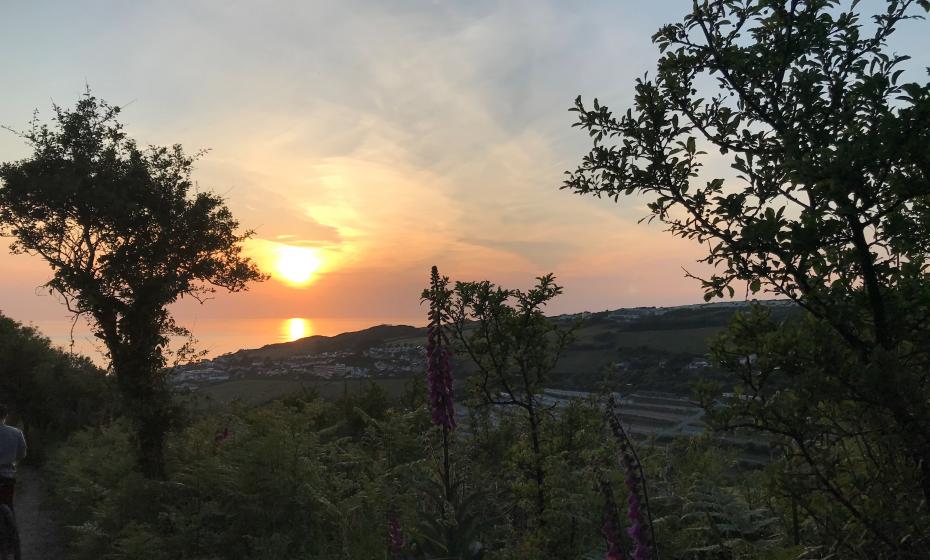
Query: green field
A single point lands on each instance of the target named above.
(687, 341)
(260, 391)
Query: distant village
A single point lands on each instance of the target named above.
(394, 360)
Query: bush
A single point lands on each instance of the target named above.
(272, 482)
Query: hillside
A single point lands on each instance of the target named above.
(646, 348)
(345, 342)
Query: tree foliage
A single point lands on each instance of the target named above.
(126, 234)
(51, 392)
(828, 204)
(514, 346)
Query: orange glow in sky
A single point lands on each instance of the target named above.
(296, 265)
(406, 140)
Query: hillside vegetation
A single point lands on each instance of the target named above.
(624, 349)
(51, 391)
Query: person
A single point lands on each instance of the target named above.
(12, 450)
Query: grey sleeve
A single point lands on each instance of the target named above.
(21, 449)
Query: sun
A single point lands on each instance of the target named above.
(296, 265)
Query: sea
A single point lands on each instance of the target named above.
(216, 337)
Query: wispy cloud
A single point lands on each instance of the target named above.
(388, 136)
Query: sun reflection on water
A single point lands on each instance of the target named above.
(295, 328)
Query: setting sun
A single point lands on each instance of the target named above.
(296, 265)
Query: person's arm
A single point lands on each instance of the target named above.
(21, 449)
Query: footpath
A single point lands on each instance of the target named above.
(37, 531)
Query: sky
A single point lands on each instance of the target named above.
(380, 137)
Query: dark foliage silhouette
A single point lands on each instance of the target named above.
(126, 234)
(829, 205)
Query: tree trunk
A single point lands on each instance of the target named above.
(150, 431)
(905, 411)
(146, 401)
(538, 472)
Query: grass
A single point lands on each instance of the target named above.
(260, 391)
(688, 341)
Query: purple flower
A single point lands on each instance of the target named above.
(639, 524)
(395, 537)
(614, 551)
(637, 509)
(438, 368)
(611, 525)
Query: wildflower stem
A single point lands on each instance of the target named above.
(634, 468)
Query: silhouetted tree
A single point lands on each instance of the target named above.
(829, 206)
(126, 235)
(515, 347)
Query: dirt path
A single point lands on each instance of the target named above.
(37, 531)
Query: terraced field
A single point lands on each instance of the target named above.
(664, 417)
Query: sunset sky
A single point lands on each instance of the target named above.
(382, 138)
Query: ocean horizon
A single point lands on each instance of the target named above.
(220, 336)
